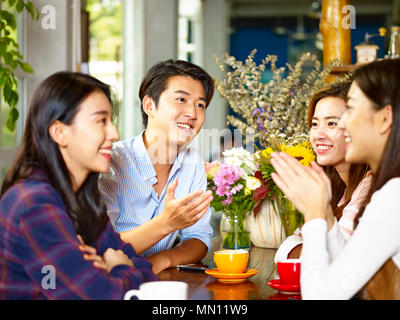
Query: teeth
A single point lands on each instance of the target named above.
(105, 151)
(347, 140)
(182, 125)
(324, 147)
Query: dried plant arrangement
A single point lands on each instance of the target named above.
(276, 110)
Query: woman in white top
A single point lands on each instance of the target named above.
(372, 130)
(350, 182)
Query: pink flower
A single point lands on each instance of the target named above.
(227, 175)
(237, 188)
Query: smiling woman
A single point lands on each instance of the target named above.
(85, 144)
(50, 205)
(349, 182)
(371, 257)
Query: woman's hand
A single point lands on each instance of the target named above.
(184, 212)
(309, 189)
(91, 255)
(110, 259)
(114, 258)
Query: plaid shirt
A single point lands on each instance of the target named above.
(39, 255)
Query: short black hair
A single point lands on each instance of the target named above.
(156, 79)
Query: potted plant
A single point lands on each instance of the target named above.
(10, 55)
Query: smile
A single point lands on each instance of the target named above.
(184, 125)
(106, 152)
(322, 148)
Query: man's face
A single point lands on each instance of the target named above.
(180, 112)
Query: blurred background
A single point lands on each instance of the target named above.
(117, 41)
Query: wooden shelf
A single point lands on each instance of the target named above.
(343, 69)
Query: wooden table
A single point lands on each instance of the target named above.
(205, 287)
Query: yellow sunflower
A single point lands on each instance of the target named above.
(302, 152)
(267, 152)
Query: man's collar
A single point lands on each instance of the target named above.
(146, 168)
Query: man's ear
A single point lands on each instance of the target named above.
(59, 133)
(385, 119)
(149, 106)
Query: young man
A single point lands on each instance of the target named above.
(156, 187)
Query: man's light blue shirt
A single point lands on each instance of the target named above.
(131, 199)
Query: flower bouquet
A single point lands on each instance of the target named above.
(272, 115)
(233, 185)
(291, 219)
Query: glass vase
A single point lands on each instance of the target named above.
(234, 232)
(291, 218)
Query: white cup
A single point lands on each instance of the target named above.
(160, 290)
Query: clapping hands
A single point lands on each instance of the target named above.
(308, 188)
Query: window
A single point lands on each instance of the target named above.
(189, 31)
(105, 42)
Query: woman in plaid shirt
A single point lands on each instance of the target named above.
(56, 241)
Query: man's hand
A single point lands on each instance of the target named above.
(184, 212)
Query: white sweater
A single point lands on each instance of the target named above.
(344, 226)
(375, 240)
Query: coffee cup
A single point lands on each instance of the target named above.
(289, 271)
(231, 261)
(159, 290)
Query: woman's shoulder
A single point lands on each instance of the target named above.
(390, 188)
(27, 192)
(361, 192)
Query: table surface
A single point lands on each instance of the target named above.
(205, 287)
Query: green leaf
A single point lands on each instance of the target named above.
(9, 18)
(11, 2)
(7, 93)
(31, 9)
(20, 6)
(26, 67)
(10, 40)
(14, 97)
(3, 47)
(12, 119)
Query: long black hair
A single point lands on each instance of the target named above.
(59, 98)
(380, 82)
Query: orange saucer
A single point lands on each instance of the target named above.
(231, 277)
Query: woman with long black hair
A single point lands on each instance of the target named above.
(52, 217)
(370, 261)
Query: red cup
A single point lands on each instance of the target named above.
(289, 271)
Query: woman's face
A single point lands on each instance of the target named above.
(364, 129)
(325, 136)
(89, 138)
